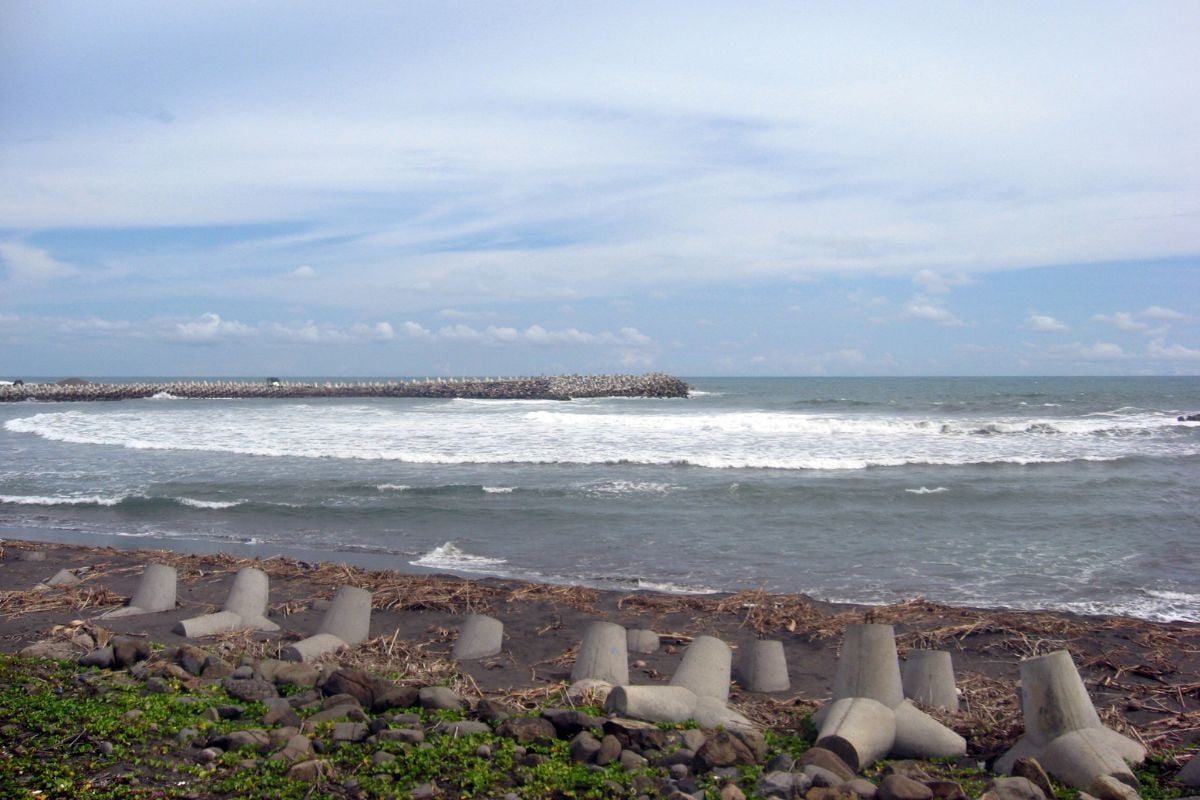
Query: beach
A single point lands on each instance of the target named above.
(1144, 677)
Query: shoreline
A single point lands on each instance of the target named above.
(1143, 676)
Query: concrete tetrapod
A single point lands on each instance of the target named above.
(763, 667)
(640, 640)
(155, 592)
(863, 732)
(705, 668)
(1063, 730)
(673, 704)
(481, 636)
(245, 608)
(346, 623)
(603, 655)
(928, 677)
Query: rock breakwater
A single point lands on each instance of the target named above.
(541, 387)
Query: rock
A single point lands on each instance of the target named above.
(439, 698)
(946, 790)
(1015, 789)
(128, 650)
(1190, 774)
(191, 658)
(349, 732)
(466, 727)
(297, 747)
(824, 778)
(57, 649)
(102, 658)
(426, 791)
(631, 761)
(693, 739)
(156, 685)
(251, 690)
(864, 788)
(310, 771)
(298, 675)
(239, 740)
(242, 672)
(1031, 769)
(568, 722)
(355, 682)
(1106, 787)
(777, 784)
(730, 791)
(526, 730)
(901, 787)
(207, 755)
(826, 759)
(283, 715)
(394, 695)
(610, 750)
(382, 757)
(830, 793)
(584, 748)
(406, 735)
(64, 577)
(724, 749)
(216, 668)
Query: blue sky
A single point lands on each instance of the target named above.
(433, 188)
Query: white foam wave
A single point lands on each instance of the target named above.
(1151, 604)
(499, 489)
(927, 490)
(393, 487)
(61, 500)
(628, 487)
(596, 434)
(163, 396)
(451, 557)
(209, 504)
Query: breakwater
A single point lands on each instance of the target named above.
(542, 387)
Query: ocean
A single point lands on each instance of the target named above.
(1078, 494)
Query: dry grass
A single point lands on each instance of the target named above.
(68, 598)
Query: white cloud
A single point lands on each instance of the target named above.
(1161, 351)
(533, 335)
(938, 283)
(1160, 313)
(416, 330)
(927, 308)
(1098, 351)
(304, 272)
(208, 329)
(1044, 323)
(1123, 320)
(31, 265)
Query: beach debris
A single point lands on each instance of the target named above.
(928, 679)
(346, 623)
(29, 555)
(603, 655)
(155, 593)
(481, 636)
(762, 666)
(705, 668)
(245, 608)
(868, 717)
(1063, 731)
(640, 640)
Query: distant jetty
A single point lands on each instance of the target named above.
(559, 387)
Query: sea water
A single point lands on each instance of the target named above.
(1061, 493)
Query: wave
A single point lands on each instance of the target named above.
(163, 396)
(209, 504)
(499, 489)
(927, 490)
(620, 487)
(393, 487)
(452, 557)
(64, 500)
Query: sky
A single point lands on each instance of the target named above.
(450, 188)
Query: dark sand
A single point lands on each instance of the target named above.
(1143, 676)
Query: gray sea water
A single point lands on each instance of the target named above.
(1061, 493)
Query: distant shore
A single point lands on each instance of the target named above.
(559, 387)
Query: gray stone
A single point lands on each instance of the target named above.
(58, 649)
(640, 640)
(310, 771)
(467, 727)
(725, 749)
(1014, 789)
(864, 788)
(250, 690)
(101, 657)
(354, 682)
(191, 658)
(776, 784)
(406, 735)
(1190, 774)
(349, 732)
(584, 748)
(128, 650)
(819, 776)
(526, 730)
(610, 750)
(901, 787)
(439, 698)
(300, 676)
